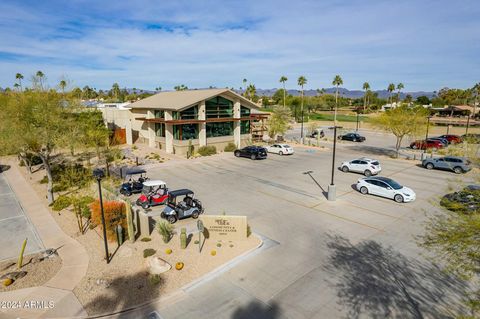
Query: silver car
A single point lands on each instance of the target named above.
(452, 163)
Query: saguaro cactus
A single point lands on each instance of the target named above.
(183, 238)
(20, 258)
(130, 229)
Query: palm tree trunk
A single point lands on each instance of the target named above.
(365, 102)
(284, 94)
(336, 105)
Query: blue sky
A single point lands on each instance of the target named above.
(426, 45)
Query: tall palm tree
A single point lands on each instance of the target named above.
(245, 86)
(301, 82)
(62, 85)
(40, 76)
(16, 86)
(337, 81)
(283, 79)
(19, 77)
(366, 87)
(390, 89)
(400, 86)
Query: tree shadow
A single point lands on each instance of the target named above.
(257, 310)
(4, 168)
(373, 150)
(379, 282)
(124, 295)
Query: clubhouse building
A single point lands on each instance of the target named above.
(170, 120)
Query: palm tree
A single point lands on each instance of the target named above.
(250, 91)
(245, 86)
(283, 79)
(40, 77)
(366, 87)
(116, 91)
(390, 89)
(19, 77)
(301, 82)
(16, 86)
(62, 85)
(337, 81)
(400, 86)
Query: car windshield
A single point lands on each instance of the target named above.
(394, 184)
(376, 163)
(286, 145)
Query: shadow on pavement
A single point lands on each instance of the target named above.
(4, 168)
(372, 150)
(257, 310)
(379, 282)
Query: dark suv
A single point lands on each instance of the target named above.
(252, 152)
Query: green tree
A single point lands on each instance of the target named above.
(244, 81)
(301, 82)
(63, 85)
(19, 77)
(423, 100)
(116, 91)
(278, 121)
(337, 81)
(400, 86)
(366, 87)
(181, 87)
(284, 79)
(390, 89)
(402, 121)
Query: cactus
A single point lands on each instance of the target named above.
(131, 231)
(20, 258)
(183, 238)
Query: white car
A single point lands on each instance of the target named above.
(366, 166)
(385, 187)
(280, 149)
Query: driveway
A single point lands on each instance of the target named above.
(14, 225)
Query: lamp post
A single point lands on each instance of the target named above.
(357, 120)
(98, 173)
(426, 135)
(301, 133)
(468, 124)
(331, 187)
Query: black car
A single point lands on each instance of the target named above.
(252, 152)
(354, 137)
(465, 201)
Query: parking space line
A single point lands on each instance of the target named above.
(370, 210)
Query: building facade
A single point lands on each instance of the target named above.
(173, 120)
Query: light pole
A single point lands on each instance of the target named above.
(357, 120)
(468, 124)
(98, 173)
(301, 134)
(426, 135)
(331, 187)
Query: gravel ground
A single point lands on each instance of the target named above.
(37, 273)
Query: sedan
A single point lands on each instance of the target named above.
(385, 187)
(354, 137)
(280, 149)
(452, 163)
(452, 139)
(444, 141)
(252, 152)
(363, 165)
(426, 144)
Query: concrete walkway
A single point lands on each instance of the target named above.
(58, 290)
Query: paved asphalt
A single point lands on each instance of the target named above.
(355, 257)
(14, 225)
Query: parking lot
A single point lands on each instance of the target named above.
(356, 256)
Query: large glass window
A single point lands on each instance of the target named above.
(160, 129)
(219, 129)
(245, 127)
(190, 113)
(175, 115)
(244, 111)
(185, 131)
(159, 114)
(219, 107)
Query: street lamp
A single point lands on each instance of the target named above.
(331, 187)
(98, 173)
(357, 119)
(428, 124)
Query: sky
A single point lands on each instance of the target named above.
(145, 44)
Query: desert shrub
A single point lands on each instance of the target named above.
(165, 229)
(114, 215)
(83, 204)
(146, 239)
(230, 147)
(59, 188)
(148, 252)
(44, 180)
(61, 203)
(155, 279)
(249, 230)
(21, 163)
(219, 245)
(207, 150)
(196, 242)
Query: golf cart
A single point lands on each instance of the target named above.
(154, 193)
(181, 204)
(134, 184)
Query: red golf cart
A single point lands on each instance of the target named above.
(154, 193)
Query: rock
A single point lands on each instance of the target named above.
(49, 253)
(7, 282)
(103, 282)
(15, 275)
(157, 265)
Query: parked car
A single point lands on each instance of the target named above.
(453, 163)
(471, 138)
(366, 166)
(252, 152)
(426, 144)
(181, 204)
(134, 184)
(467, 200)
(444, 141)
(154, 193)
(354, 137)
(385, 187)
(280, 149)
(317, 133)
(452, 139)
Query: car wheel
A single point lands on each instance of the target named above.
(354, 140)
(367, 173)
(364, 190)
(345, 169)
(253, 157)
(145, 205)
(237, 153)
(280, 153)
(414, 146)
(398, 198)
(195, 214)
(171, 219)
(429, 166)
(458, 170)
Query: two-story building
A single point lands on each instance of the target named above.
(169, 120)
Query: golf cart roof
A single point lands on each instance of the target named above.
(155, 182)
(134, 171)
(180, 192)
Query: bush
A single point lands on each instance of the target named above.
(82, 204)
(44, 180)
(148, 252)
(207, 150)
(165, 229)
(155, 279)
(114, 215)
(249, 230)
(61, 203)
(230, 147)
(146, 239)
